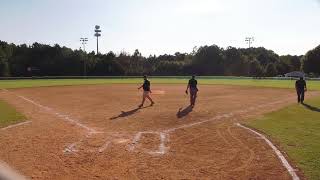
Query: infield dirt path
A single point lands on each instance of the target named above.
(97, 132)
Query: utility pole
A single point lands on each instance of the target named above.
(249, 41)
(97, 34)
(84, 42)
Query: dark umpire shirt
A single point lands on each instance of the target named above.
(193, 83)
(300, 84)
(146, 85)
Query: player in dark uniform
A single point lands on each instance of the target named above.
(192, 85)
(146, 91)
(301, 88)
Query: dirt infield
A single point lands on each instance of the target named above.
(98, 132)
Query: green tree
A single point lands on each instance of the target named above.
(255, 69)
(311, 61)
(271, 70)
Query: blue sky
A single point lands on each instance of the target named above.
(164, 26)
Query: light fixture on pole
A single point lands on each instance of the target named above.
(249, 41)
(84, 42)
(97, 34)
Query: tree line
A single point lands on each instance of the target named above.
(45, 60)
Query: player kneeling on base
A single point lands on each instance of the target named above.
(192, 85)
(146, 91)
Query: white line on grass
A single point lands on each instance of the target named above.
(15, 125)
(283, 160)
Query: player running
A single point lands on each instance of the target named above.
(146, 91)
(301, 87)
(193, 90)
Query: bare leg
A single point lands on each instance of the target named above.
(194, 98)
(143, 99)
(150, 99)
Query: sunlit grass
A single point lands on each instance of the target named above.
(312, 85)
(297, 130)
(8, 115)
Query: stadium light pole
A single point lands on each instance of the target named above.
(249, 41)
(84, 42)
(97, 34)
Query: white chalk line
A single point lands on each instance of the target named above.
(6, 90)
(162, 149)
(163, 135)
(60, 115)
(72, 147)
(283, 160)
(226, 115)
(15, 125)
(8, 173)
(104, 147)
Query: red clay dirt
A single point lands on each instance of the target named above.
(97, 132)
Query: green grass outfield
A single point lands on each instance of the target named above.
(312, 85)
(296, 129)
(8, 115)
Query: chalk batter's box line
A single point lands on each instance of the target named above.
(165, 133)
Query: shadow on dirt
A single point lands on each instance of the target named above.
(312, 108)
(128, 113)
(184, 112)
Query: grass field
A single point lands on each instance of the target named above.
(297, 130)
(8, 115)
(312, 85)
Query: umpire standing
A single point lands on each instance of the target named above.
(301, 88)
(192, 85)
